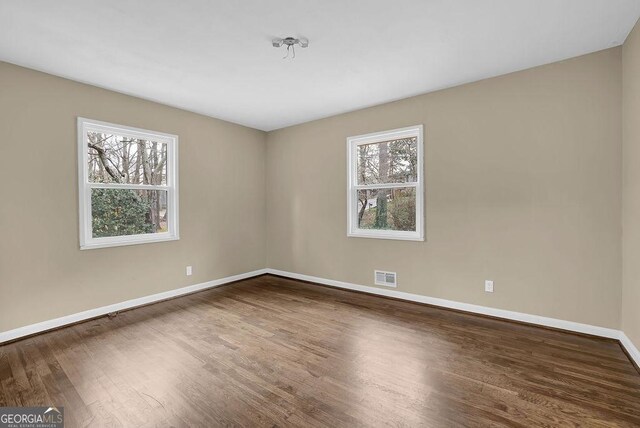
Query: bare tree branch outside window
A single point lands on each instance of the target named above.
(117, 159)
(394, 161)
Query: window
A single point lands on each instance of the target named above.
(386, 185)
(128, 185)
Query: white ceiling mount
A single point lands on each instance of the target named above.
(365, 52)
(290, 43)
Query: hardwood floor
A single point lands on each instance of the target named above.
(271, 351)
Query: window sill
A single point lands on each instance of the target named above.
(120, 242)
(386, 235)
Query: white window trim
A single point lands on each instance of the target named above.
(352, 187)
(87, 241)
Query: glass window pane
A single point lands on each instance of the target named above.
(394, 161)
(387, 209)
(117, 159)
(120, 212)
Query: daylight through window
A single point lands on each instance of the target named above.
(128, 191)
(386, 185)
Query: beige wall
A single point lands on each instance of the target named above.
(631, 188)
(43, 274)
(523, 186)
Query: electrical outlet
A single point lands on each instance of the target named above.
(189, 270)
(488, 286)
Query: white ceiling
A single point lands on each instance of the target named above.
(215, 57)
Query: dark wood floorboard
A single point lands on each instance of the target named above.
(276, 352)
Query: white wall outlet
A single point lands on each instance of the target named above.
(488, 286)
(189, 270)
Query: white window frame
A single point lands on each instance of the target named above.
(352, 185)
(87, 241)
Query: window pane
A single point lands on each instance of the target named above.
(387, 209)
(392, 161)
(120, 212)
(117, 159)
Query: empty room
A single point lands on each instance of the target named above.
(410, 213)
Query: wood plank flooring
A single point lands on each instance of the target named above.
(276, 352)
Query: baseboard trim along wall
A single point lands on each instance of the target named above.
(11, 335)
(466, 307)
(476, 309)
(632, 351)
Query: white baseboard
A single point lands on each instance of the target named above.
(476, 309)
(633, 352)
(467, 307)
(28, 330)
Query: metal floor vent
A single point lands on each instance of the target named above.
(388, 279)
